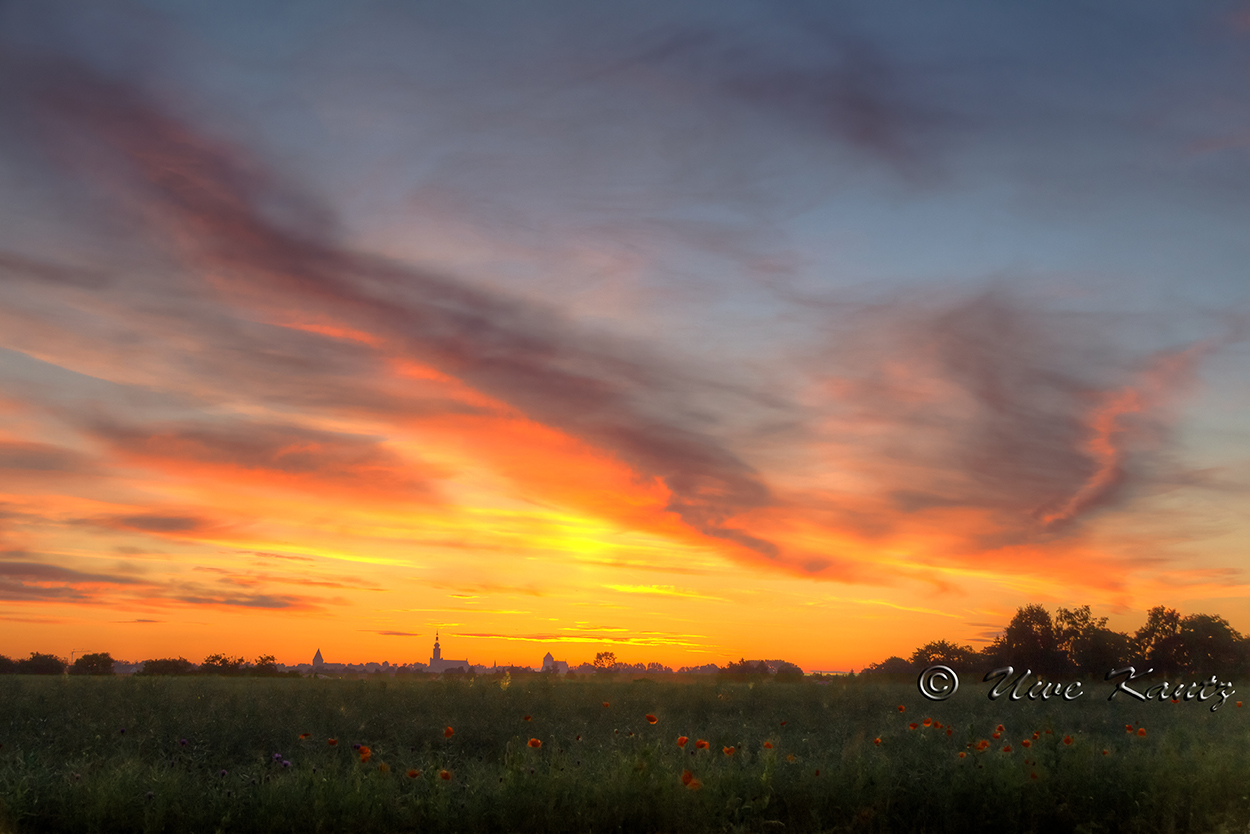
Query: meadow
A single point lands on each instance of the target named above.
(594, 754)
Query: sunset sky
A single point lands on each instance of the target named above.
(687, 331)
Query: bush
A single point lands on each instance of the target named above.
(8, 666)
(167, 666)
(41, 664)
(99, 663)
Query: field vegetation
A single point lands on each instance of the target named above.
(602, 753)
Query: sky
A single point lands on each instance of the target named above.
(685, 331)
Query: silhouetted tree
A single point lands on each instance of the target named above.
(167, 666)
(605, 661)
(1209, 645)
(893, 665)
(1090, 646)
(1030, 642)
(41, 664)
(266, 665)
(8, 666)
(959, 658)
(99, 663)
(220, 664)
(1158, 643)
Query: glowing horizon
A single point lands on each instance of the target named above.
(705, 332)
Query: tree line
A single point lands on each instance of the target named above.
(101, 663)
(1074, 642)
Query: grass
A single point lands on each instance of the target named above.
(66, 765)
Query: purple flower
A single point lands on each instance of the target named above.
(277, 757)
(355, 746)
(285, 763)
(123, 731)
(221, 773)
(183, 742)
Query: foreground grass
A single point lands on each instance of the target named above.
(209, 754)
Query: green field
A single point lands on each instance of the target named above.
(67, 765)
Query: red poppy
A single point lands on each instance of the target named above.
(913, 725)
(605, 703)
(448, 733)
(768, 745)
(535, 743)
(445, 775)
(1239, 703)
(694, 784)
(700, 745)
(413, 774)
(928, 721)
(1106, 752)
(305, 735)
(783, 723)
(527, 718)
(1007, 748)
(998, 735)
(962, 754)
(651, 719)
(686, 777)
(901, 708)
(1128, 728)
(1000, 728)
(681, 741)
(1141, 731)
(365, 753)
(1026, 743)
(877, 741)
(1036, 736)
(1032, 775)
(728, 751)
(949, 731)
(333, 741)
(937, 725)
(1067, 739)
(790, 757)
(818, 773)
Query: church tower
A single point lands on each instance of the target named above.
(438, 653)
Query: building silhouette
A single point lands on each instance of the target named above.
(550, 664)
(439, 664)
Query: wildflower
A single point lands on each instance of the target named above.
(1036, 736)
(937, 725)
(286, 763)
(123, 731)
(1000, 728)
(605, 703)
(783, 723)
(901, 707)
(1176, 700)
(1239, 703)
(686, 777)
(365, 754)
(913, 725)
(222, 773)
(694, 784)
(651, 719)
(681, 741)
(700, 745)
(949, 731)
(1106, 752)
(728, 751)
(928, 722)
(1007, 748)
(877, 741)
(818, 773)
(1067, 739)
(768, 745)
(527, 718)
(277, 757)
(1050, 732)
(413, 774)
(356, 745)
(1026, 743)
(998, 735)
(333, 741)
(301, 735)
(1032, 775)
(1141, 731)
(1128, 728)
(448, 733)
(445, 775)
(535, 743)
(790, 757)
(962, 754)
